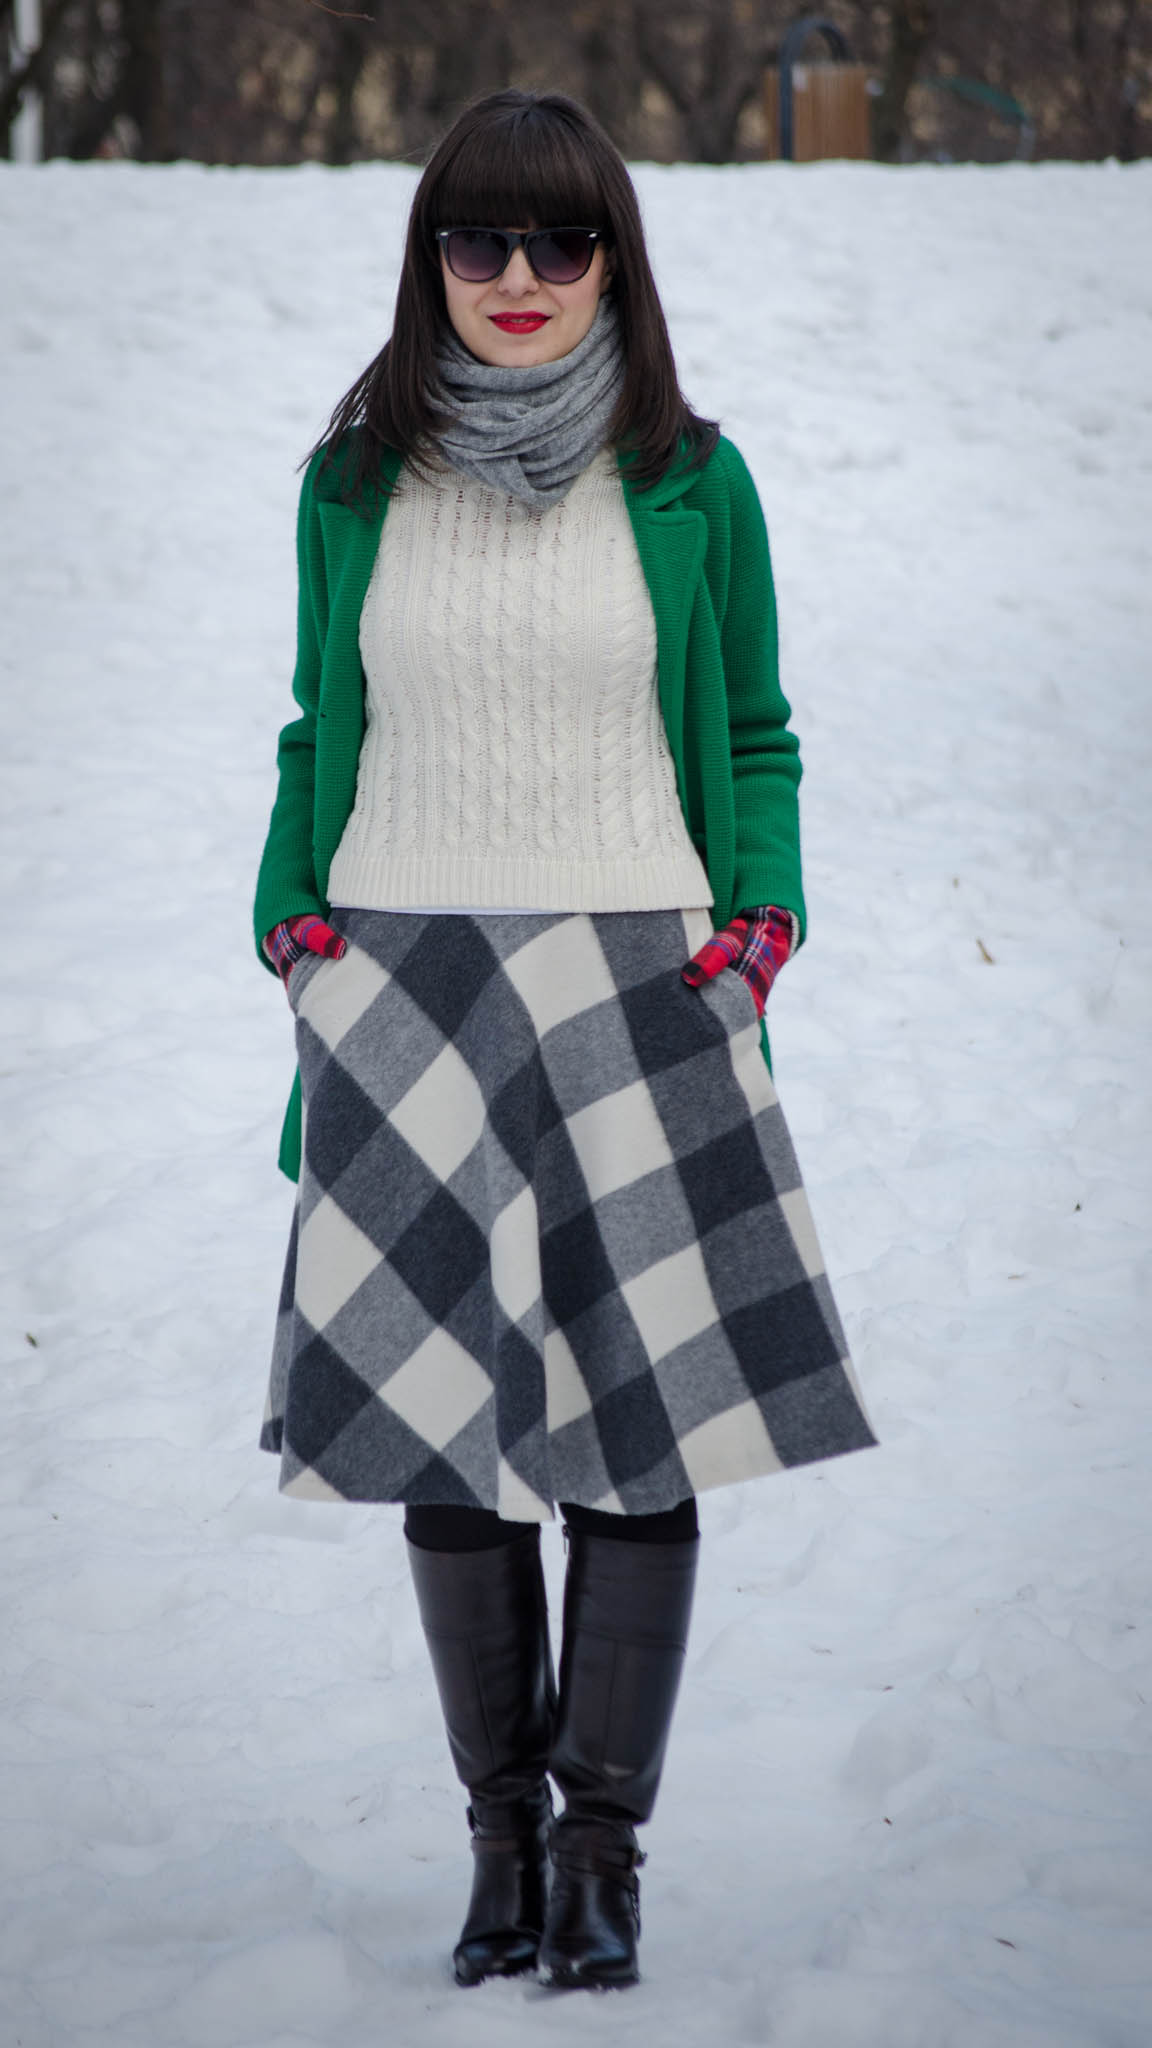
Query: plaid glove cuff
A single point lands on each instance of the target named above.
(756, 943)
(287, 943)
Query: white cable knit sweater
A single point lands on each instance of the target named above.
(514, 754)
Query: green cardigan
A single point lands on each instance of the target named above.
(704, 552)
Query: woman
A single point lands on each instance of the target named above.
(531, 868)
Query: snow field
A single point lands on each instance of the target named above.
(908, 1802)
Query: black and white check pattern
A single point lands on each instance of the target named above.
(550, 1240)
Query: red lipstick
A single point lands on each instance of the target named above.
(518, 323)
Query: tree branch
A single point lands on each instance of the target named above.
(340, 13)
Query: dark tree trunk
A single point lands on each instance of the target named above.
(612, 68)
(914, 27)
(1123, 88)
(344, 74)
(144, 96)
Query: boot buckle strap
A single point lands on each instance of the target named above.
(598, 1859)
(506, 1839)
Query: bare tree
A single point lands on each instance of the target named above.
(708, 58)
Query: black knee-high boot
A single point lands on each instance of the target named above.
(485, 1616)
(626, 1612)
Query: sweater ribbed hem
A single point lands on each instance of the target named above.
(653, 882)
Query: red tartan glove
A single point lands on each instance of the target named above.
(756, 944)
(287, 943)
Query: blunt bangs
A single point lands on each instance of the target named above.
(530, 169)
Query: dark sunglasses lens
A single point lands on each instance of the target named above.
(561, 255)
(475, 254)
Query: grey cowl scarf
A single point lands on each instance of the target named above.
(531, 430)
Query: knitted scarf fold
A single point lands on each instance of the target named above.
(531, 430)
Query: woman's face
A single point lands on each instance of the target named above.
(516, 320)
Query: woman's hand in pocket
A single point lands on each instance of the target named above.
(756, 943)
(287, 943)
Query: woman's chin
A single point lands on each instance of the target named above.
(522, 351)
(508, 350)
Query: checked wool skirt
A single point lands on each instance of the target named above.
(550, 1239)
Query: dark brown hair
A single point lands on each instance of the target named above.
(519, 159)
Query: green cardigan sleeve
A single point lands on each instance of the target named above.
(766, 766)
(286, 884)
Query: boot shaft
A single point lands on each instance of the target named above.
(485, 1619)
(627, 1609)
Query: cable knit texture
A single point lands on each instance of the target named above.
(514, 752)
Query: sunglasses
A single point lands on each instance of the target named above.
(557, 255)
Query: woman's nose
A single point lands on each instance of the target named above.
(518, 275)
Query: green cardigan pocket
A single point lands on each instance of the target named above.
(291, 1132)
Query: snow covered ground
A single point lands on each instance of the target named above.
(908, 1802)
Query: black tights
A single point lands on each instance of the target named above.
(450, 1528)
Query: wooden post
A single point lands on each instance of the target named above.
(830, 116)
